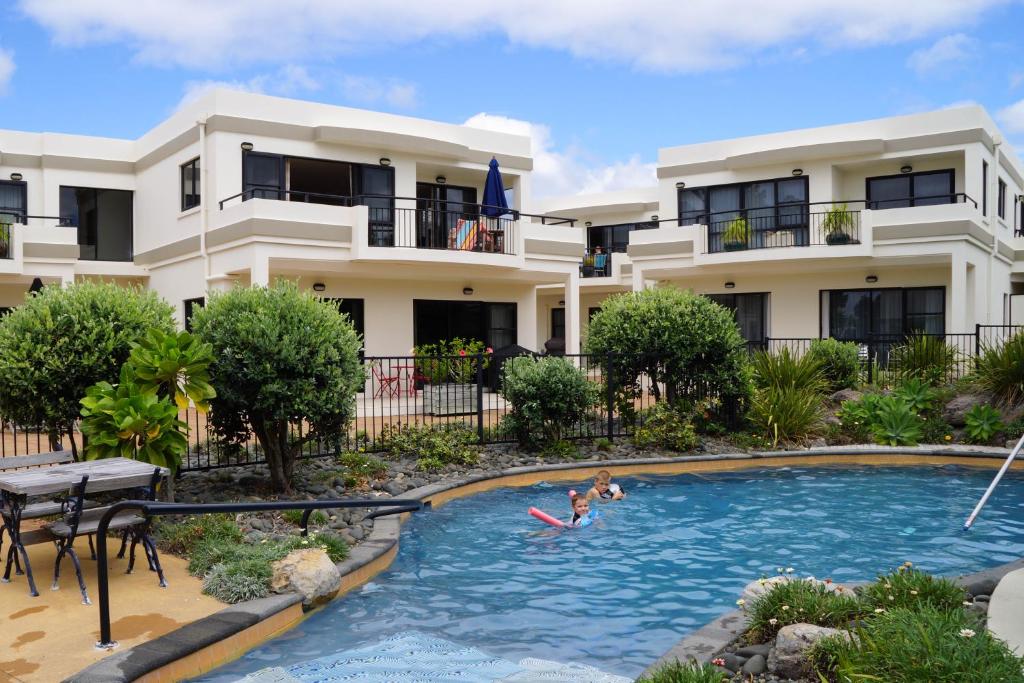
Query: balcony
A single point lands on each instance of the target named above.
(38, 236)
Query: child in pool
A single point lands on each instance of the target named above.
(604, 490)
(581, 513)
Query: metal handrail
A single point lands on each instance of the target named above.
(22, 217)
(157, 509)
(995, 482)
(355, 199)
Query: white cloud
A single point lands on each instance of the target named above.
(946, 52)
(365, 90)
(6, 69)
(570, 171)
(290, 79)
(665, 35)
(1012, 117)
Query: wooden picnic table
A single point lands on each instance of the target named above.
(110, 474)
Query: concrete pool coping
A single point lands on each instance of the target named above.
(204, 645)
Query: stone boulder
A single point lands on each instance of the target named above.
(955, 412)
(789, 657)
(845, 395)
(756, 589)
(308, 571)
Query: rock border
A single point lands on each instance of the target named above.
(147, 657)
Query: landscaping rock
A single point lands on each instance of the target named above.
(733, 662)
(955, 412)
(755, 665)
(753, 650)
(309, 572)
(756, 589)
(846, 395)
(789, 658)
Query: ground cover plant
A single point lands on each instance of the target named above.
(795, 601)
(689, 672)
(547, 397)
(286, 370)
(62, 341)
(674, 338)
(982, 423)
(433, 446)
(667, 426)
(911, 588)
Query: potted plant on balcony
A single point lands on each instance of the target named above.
(737, 235)
(838, 226)
(588, 266)
(5, 240)
(448, 372)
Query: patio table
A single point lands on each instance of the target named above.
(110, 474)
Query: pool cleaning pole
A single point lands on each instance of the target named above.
(992, 486)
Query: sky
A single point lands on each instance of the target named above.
(599, 85)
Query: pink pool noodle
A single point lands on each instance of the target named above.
(545, 517)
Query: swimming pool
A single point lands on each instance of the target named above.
(480, 572)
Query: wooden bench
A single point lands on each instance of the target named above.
(38, 510)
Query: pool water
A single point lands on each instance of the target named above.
(673, 555)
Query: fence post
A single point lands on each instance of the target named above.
(871, 356)
(480, 397)
(609, 396)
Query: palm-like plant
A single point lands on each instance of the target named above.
(176, 366)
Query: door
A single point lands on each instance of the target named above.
(440, 209)
(376, 189)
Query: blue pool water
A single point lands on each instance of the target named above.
(481, 573)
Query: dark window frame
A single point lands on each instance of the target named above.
(764, 297)
(23, 186)
(911, 198)
(984, 188)
(555, 324)
(1001, 199)
(188, 310)
(905, 329)
(703, 216)
(608, 235)
(485, 316)
(193, 192)
(67, 222)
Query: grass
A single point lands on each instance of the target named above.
(360, 469)
(317, 518)
(691, 672)
(910, 588)
(933, 645)
(180, 537)
(798, 601)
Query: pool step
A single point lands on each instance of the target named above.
(418, 657)
(1006, 611)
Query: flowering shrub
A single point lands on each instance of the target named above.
(450, 361)
(910, 588)
(795, 601)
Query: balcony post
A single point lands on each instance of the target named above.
(572, 312)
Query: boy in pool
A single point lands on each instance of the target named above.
(604, 490)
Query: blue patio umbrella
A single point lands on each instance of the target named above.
(494, 193)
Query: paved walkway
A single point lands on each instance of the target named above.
(1006, 611)
(48, 638)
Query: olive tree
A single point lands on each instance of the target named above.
(681, 341)
(286, 370)
(60, 342)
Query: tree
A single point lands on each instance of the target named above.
(548, 397)
(286, 370)
(60, 342)
(677, 339)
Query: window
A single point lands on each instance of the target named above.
(1001, 200)
(558, 323)
(190, 184)
(493, 323)
(190, 306)
(926, 188)
(262, 175)
(13, 201)
(750, 311)
(984, 188)
(614, 237)
(103, 219)
(860, 314)
(767, 204)
(592, 311)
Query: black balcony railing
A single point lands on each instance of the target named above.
(783, 226)
(455, 230)
(596, 265)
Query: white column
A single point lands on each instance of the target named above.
(67, 278)
(572, 312)
(638, 277)
(958, 295)
(259, 275)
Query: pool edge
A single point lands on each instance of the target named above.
(378, 551)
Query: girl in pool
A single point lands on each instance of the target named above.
(582, 515)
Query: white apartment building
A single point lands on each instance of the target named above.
(881, 227)
(930, 208)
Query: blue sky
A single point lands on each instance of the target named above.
(600, 86)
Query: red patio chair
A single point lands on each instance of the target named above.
(385, 383)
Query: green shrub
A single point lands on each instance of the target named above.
(560, 450)
(690, 672)
(1015, 428)
(286, 370)
(334, 545)
(603, 444)
(238, 581)
(999, 371)
(797, 601)
(935, 430)
(361, 469)
(666, 426)
(788, 402)
(895, 423)
(909, 588)
(931, 645)
(62, 341)
(982, 422)
(839, 361)
(547, 397)
(454, 360)
(916, 394)
(316, 518)
(435, 446)
(858, 417)
(674, 338)
(181, 536)
(924, 357)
